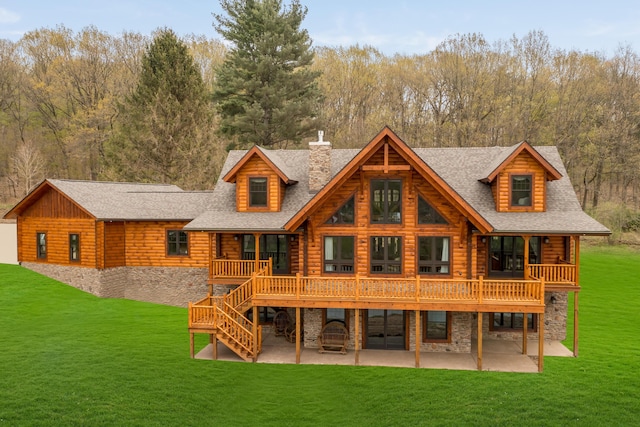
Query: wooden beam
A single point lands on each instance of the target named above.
(254, 331)
(480, 341)
(525, 326)
(385, 169)
(213, 338)
(540, 342)
(298, 333)
(356, 341)
(575, 324)
(256, 239)
(418, 338)
(191, 351)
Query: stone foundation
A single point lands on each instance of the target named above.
(162, 285)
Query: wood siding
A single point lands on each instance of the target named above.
(256, 167)
(114, 244)
(413, 185)
(523, 164)
(53, 204)
(57, 231)
(146, 245)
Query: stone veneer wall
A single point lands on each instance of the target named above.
(555, 321)
(460, 334)
(163, 285)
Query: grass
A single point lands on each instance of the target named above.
(69, 358)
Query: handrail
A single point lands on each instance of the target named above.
(237, 268)
(553, 273)
(404, 289)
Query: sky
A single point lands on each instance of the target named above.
(404, 27)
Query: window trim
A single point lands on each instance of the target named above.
(77, 244)
(250, 204)
(41, 253)
(386, 262)
(531, 326)
(169, 243)
(425, 323)
(434, 263)
(514, 175)
(386, 214)
(339, 261)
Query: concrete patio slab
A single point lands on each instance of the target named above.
(502, 356)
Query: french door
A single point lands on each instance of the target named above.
(506, 255)
(385, 329)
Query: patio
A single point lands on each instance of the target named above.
(502, 356)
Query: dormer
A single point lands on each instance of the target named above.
(261, 178)
(518, 179)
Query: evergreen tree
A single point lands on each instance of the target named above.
(266, 92)
(165, 125)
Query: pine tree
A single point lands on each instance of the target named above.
(266, 92)
(165, 125)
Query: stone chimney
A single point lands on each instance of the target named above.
(319, 163)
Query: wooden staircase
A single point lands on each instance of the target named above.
(222, 317)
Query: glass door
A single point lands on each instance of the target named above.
(385, 329)
(506, 255)
(274, 246)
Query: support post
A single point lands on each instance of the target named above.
(480, 340)
(525, 327)
(540, 342)
(256, 240)
(418, 338)
(254, 331)
(191, 351)
(214, 344)
(298, 334)
(575, 324)
(356, 341)
(526, 257)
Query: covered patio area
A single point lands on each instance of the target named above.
(498, 355)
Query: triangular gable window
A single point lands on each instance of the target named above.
(427, 214)
(344, 215)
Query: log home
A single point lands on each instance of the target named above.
(412, 249)
(118, 240)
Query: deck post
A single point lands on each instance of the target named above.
(254, 331)
(526, 257)
(540, 342)
(213, 339)
(480, 339)
(525, 326)
(417, 338)
(191, 343)
(575, 297)
(356, 341)
(298, 333)
(575, 324)
(256, 240)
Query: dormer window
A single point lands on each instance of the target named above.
(258, 192)
(521, 190)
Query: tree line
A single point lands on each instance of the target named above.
(71, 106)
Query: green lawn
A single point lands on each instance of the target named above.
(69, 358)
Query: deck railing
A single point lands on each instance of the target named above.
(237, 268)
(553, 273)
(402, 290)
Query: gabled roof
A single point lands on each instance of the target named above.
(271, 158)
(455, 172)
(123, 201)
(387, 136)
(508, 155)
